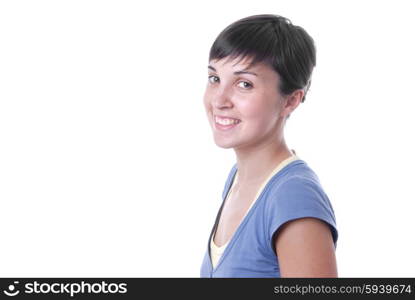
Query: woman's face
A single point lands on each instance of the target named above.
(243, 106)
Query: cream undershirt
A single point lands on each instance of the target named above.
(215, 251)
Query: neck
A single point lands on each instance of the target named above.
(255, 164)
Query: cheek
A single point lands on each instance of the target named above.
(256, 109)
(260, 115)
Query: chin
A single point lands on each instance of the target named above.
(224, 144)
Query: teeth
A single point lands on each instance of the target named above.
(226, 121)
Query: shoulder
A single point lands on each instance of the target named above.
(297, 194)
(296, 180)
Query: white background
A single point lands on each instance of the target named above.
(107, 163)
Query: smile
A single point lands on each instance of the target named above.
(225, 123)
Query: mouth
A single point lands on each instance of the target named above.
(225, 123)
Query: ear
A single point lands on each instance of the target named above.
(291, 102)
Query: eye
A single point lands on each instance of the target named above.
(213, 78)
(245, 85)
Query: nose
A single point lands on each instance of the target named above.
(222, 98)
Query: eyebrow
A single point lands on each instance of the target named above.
(236, 72)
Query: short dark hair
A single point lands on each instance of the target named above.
(274, 40)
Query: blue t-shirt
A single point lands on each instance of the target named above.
(292, 193)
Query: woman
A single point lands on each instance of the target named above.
(275, 219)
